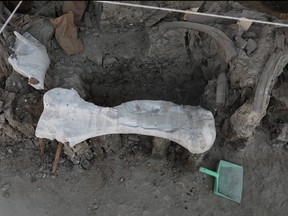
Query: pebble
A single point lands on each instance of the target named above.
(250, 35)
(61, 161)
(240, 42)
(6, 186)
(38, 175)
(55, 44)
(251, 46)
(133, 138)
(33, 179)
(94, 206)
(121, 179)
(6, 194)
(9, 151)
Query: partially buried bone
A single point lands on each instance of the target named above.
(30, 59)
(69, 119)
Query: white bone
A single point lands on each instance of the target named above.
(31, 59)
(69, 119)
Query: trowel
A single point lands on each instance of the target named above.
(228, 180)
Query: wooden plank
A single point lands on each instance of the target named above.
(56, 159)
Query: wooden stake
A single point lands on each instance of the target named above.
(56, 159)
(42, 147)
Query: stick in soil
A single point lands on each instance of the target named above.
(42, 147)
(57, 155)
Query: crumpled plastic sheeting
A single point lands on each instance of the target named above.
(70, 119)
(66, 34)
(30, 59)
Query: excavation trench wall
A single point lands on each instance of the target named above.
(124, 60)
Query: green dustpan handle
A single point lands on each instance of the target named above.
(209, 172)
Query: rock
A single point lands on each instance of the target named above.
(244, 70)
(54, 43)
(87, 19)
(69, 77)
(85, 164)
(11, 132)
(9, 151)
(281, 93)
(6, 186)
(250, 35)
(33, 179)
(13, 86)
(23, 116)
(251, 46)
(283, 135)
(43, 31)
(148, 164)
(160, 147)
(94, 206)
(279, 41)
(241, 43)
(109, 61)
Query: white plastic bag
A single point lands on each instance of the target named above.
(30, 59)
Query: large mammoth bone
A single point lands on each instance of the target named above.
(223, 40)
(70, 119)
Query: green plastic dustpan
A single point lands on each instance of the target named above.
(228, 180)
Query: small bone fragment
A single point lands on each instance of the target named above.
(244, 23)
(69, 119)
(222, 84)
(56, 159)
